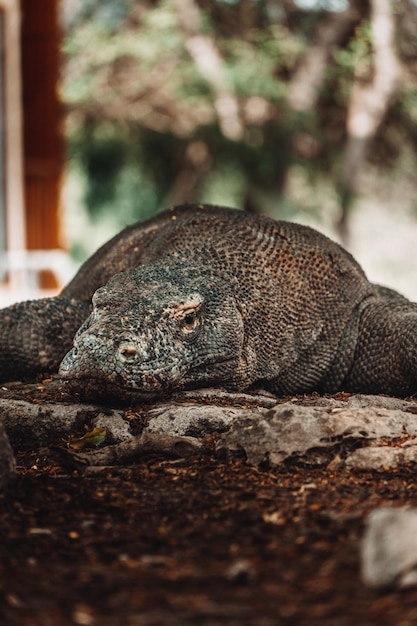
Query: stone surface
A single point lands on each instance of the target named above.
(383, 457)
(7, 461)
(47, 421)
(315, 432)
(389, 548)
(357, 431)
(195, 420)
(117, 427)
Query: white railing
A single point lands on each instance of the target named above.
(20, 271)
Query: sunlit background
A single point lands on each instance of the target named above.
(302, 110)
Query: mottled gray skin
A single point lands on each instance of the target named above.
(214, 296)
(177, 326)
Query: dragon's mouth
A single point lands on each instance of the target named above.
(95, 389)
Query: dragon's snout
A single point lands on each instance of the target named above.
(127, 352)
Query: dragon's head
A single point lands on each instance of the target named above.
(156, 329)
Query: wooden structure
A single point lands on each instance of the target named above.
(31, 150)
(42, 153)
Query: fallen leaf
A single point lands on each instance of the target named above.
(93, 438)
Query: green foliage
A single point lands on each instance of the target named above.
(253, 64)
(125, 173)
(137, 98)
(353, 59)
(409, 104)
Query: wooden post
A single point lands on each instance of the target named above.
(42, 140)
(12, 138)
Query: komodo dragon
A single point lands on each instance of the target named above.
(204, 295)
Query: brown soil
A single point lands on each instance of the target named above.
(203, 542)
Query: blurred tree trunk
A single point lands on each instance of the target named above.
(368, 104)
(307, 80)
(195, 164)
(208, 59)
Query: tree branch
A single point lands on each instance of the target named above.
(308, 78)
(209, 61)
(369, 102)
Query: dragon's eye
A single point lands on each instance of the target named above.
(189, 319)
(187, 314)
(189, 322)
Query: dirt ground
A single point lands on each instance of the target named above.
(200, 541)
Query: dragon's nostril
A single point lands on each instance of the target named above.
(128, 352)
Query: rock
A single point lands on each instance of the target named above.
(259, 398)
(364, 432)
(241, 571)
(383, 457)
(47, 421)
(389, 548)
(7, 461)
(314, 431)
(117, 427)
(290, 431)
(362, 401)
(194, 420)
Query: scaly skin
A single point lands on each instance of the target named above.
(35, 335)
(213, 296)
